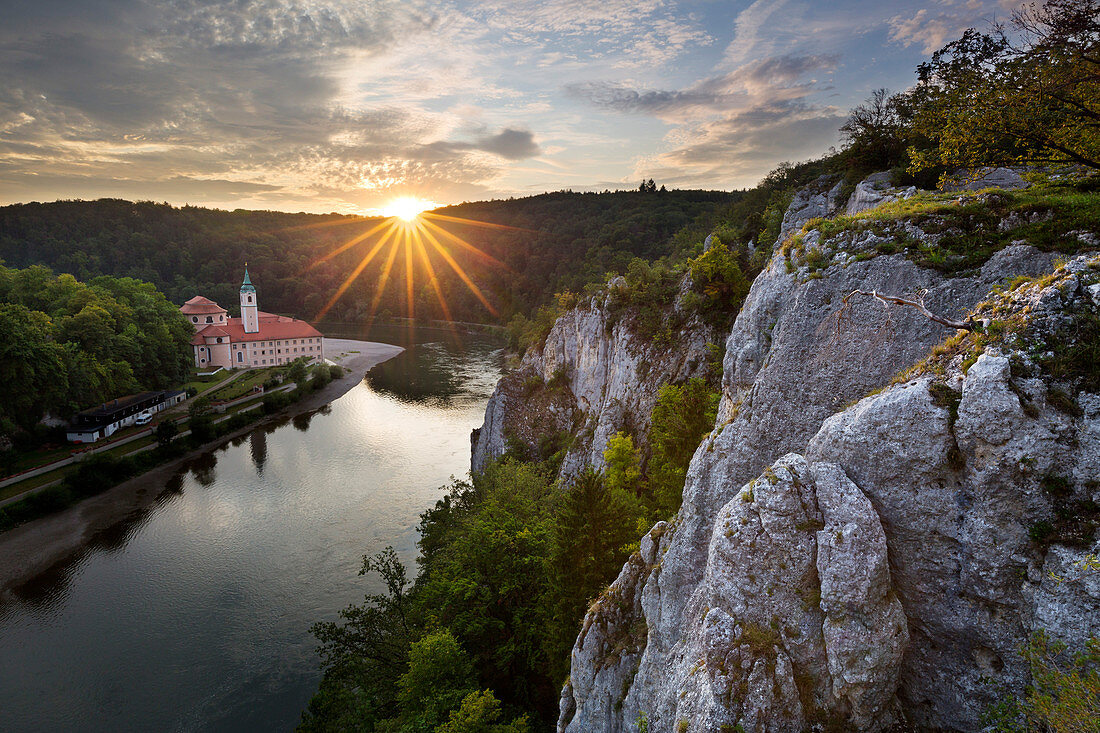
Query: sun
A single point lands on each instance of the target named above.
(407, 208)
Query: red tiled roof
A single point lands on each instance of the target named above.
(272, 328)
(200, 305)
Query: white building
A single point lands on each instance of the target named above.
(256, 339)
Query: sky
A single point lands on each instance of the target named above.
(344, 105)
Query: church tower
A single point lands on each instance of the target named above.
(250, 309)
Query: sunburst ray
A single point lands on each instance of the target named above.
(466, 245)
(355, 273)
(427, 264)
(351, 242)
(458, 269)
(472, 222)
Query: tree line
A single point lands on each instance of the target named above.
(66, 345)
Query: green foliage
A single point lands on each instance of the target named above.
(200, 420)
(682, 415)
(480, 713)
(644, 300)
(623, 471)
(1025, 94)
(1063, 695)
(297, 371)
(484, 575)
(65, 345)
(717, 275)
(439, 677)
(591, 535)
(876, 132)
(166, 432)
(364, 655)
(546, 244)
(319, 378)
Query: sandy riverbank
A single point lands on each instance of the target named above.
(57, 539)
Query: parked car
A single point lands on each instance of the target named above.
(143, 418)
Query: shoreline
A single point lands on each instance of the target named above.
(48, 542)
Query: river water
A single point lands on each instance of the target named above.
(195, 615)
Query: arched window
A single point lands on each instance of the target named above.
(240, 356)
(210, 319)
(250, 299)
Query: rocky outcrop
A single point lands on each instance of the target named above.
(819, 200)
(878, 573)
(606, 377)
(875, 190)
(982, 178)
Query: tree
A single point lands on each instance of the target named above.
(875, 132)
(200, 422)
(165, 432)
(1026, 93)
(479, 713)
(363, 655)
(590, 535)
(32, 367)
(623, 472)
(439, 677)
(682, 415)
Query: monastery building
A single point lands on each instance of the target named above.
(256, 339)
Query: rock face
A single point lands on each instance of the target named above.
(821, 199)
(1005, 178)
(862, 565)
(605, 379)
(875, 190)
(795, 618)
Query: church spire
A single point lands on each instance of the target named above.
(250, 310)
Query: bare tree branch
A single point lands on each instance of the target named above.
(887, 300)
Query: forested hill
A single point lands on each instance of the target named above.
(556, 241)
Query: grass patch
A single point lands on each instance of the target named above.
(244, 385)
(966, 229)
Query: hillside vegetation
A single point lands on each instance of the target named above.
(557, 241)
(66, 345)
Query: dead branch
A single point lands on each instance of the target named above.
(887, 300)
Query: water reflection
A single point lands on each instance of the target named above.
(202, 468)
(192, 612)
(49, 588)
(257, 441)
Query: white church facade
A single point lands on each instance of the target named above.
(256, 339)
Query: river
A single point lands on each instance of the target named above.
(194, 614)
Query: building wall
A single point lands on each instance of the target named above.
(252, 354)
(199, 321)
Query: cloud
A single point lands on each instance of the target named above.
(778, 78)
(749, 39)
(246, 99)
(509, 144)
(932, 28)
(731, 128)
(735, 150)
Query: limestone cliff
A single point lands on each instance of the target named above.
(865, 565)
(840, 561)
(592, 377)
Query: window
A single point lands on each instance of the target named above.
(219, 339)
(250, 299)
(210, 319)
(240, 356)
(194, 319)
